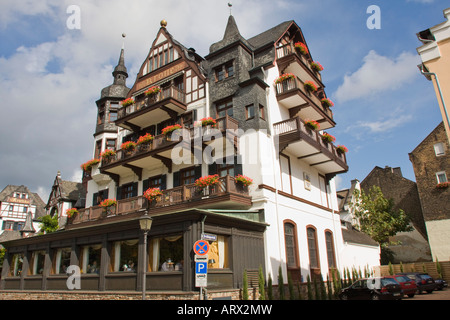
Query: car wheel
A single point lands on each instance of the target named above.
(430, 291)
(375, 297)
(344, 297)
(411, 295)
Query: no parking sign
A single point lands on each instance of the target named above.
(201, 247)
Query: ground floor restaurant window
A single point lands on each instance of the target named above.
(61, 261)
(218, 253)
(16, 265)
(166, 254)
(37, 262)
(90, 259)
(124, 256)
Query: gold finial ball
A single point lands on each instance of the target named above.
(163, 23)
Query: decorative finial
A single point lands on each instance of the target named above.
(163, 23)
(230, 5)
(123, 42)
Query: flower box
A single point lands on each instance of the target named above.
(328, 138)
(301, 47)
(206, 122)
(71, 212)
(109, 206)
(316, 66)
(284, 77)
(87, 166)
(108, 154)
(243, 180)
(152, 91)
(327, 102)
(206, 181)
(128, 146)
(310, 86)
(127, 102)
(169, 129)
(443, 185)
(147, 138)
(152, 194)
(341, 149)
(312, 124)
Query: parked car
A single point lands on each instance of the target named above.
(373, 288)
(440, 284)
(423, 281)
(409, 286)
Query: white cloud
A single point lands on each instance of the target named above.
(382, 126)
(378, 74)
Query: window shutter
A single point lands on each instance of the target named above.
(135, 189)
(212, 169)
(198, 172)
(163, 182)
(238, 165)
(119, 193)
(176, 179)
(94, 199)
(145, 185)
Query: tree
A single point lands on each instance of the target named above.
(245, 286)
(280, 284)
(261, 284)
(48, 224)
(377, 217)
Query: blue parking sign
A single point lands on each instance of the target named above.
(201, 267)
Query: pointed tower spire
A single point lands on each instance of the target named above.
(120, 72)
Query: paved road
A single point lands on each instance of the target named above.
(436, 295)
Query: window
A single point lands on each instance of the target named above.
(187, 176)
(98, 149)
(111, 144)
(91, 258)
(16, 265)
(225, 108)
(128, 191)
(439, 149)
(312, 247)
(250, 111)
(166, 253)
(61, 261)
(290, 241)
(112, 115)
(218, 253)
(224, 169)
(330, 249)
(37, 262)
(124, 256)
(224, 71)
(441, 177)
(262, 114)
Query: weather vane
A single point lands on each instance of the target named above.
(230, 5)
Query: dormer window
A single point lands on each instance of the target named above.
(161, 56)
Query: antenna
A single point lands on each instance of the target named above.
(230, 5)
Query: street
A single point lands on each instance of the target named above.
(436, 295)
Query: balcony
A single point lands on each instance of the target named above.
(160, 148)
(307, 145)
(291, 94)
(168, 103)
(289, 61)
(227, 194)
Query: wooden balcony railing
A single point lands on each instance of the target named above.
(165, 93)
(180, 195)
(288, 50)
(297, 125)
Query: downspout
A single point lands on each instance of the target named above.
(429, 74)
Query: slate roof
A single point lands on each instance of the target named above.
(358, 237)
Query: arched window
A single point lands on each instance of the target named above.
(312, 247)
(330, 249)
(291, 246)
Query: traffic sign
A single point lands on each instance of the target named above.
(201, 247)
(201, 280)
(201, 267)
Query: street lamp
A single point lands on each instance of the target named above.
(145, 224)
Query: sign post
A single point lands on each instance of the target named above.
(201, 248)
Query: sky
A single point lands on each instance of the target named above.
(54, 65)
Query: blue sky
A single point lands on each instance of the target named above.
(51, 76)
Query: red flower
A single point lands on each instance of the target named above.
(152, 193)
(316, 66)
(312, 124)
(87, 166)
(311, 86)
(341, 149)
(283, 77)
(207, 181)
(246, 181)
(128, 146)
(326, 137)
(169, 129)
(127, 102)
(301, 47)
(327, 102)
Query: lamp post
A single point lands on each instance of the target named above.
(145, 224)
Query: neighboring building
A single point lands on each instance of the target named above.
(360, 250)
(288, 217)
(63, 196)
(431, 163)
(413, 246)
(435, 55)
(15, 203)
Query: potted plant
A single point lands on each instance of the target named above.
(108, 206)
(443, 185)
(316, 66)
(144, 142)
(310, 86)
(87, 166)
(71, 212)
(328, 138)
(327, 102)
(127, 102)
(312, 124)
(208, 122)
(284, 77)
(205, 183)
(152, 195)
(107, 155)
(341, 149)
(167, 131)
(152, 91)
(128, 146)
(243, 182)
(301, 47)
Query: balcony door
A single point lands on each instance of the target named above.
(285, 168)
